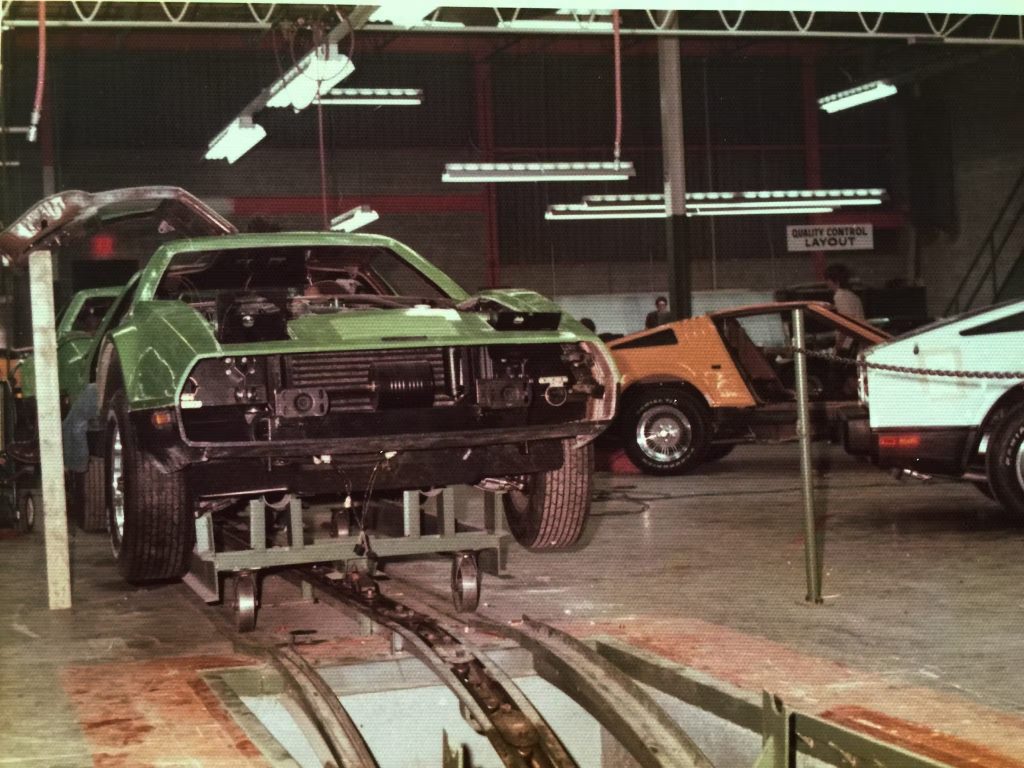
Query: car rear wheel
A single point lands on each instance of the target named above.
(151, 530)
(86, 498)
(552, 508)
(1005, 457)
(665, 432)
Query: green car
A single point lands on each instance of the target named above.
(76, 332)
(320, 363)
(81, 323)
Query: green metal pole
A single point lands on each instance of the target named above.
(51, 443)
(803, 431)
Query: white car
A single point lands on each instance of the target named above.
(948, 399)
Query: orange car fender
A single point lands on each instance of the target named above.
(698, 359)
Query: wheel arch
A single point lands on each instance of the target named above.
(1008, 400)
(646, 386)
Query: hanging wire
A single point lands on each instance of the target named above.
(617, 40)
(669, 15)
(871, 29)
(170, 16)
(87, 17)
(323, 161)
(37, 104)
(941, 31)
(261, 19)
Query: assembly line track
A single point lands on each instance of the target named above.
(490, 701)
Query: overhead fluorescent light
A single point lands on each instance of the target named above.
(579, 212)
(758, 211)
(402, 13)
(10, 163)
(314, 74)
(852, 97)
(847, 195)
(358, 217)
(14, 129)
(653, 202)
(241, 135)
(499, 172)
(373, 97)
(555, 25)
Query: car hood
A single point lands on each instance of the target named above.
(70, 213)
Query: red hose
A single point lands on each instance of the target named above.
(37, 105)
(616, 37)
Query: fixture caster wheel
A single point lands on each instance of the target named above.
(245, 601)
(465, 582)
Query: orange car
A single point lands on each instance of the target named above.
(693, 389)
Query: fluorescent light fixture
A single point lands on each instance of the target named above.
(14, 129)
(374, 97)
(878, 89)
(241, 135)
(652, 202)
(402, 13)
(555, 25)
(358, 217)
(579, 212)
(759, 211)
(493, 172)
(314, 75)
(847, 196)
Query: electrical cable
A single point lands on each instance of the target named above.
(617, 40)
(323, 160)
(37, 104)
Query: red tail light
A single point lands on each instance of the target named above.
(899, 442)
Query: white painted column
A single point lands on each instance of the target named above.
(51, 443)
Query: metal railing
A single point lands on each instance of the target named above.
(1003, 246)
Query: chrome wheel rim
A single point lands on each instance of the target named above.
(1020, 464)
(30, 512)
(117, 490)
(664, 434)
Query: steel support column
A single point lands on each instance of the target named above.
(812, 147)
(677, 259)
(51, 443)
(484, 96)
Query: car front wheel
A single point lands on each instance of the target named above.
(552, 508)
(151, 530)
(665, 432)
(1005, 457)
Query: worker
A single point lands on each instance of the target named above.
(660, 315)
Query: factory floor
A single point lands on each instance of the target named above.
(918, 640)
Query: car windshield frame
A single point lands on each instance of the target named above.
(294, 268)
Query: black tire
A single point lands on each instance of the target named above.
(87, 503)
(716, 452)
(148, 515)
(665, 432)
(984, 487)
(551, 510)
(26, 511)
(1005, 459)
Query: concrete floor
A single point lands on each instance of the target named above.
(920, 628)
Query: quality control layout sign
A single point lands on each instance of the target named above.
(830, 237)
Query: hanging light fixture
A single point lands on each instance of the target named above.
(241, 135)
(373, 97)
(501, 172)
(313, 75)
(354, 219)
(852, 97)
